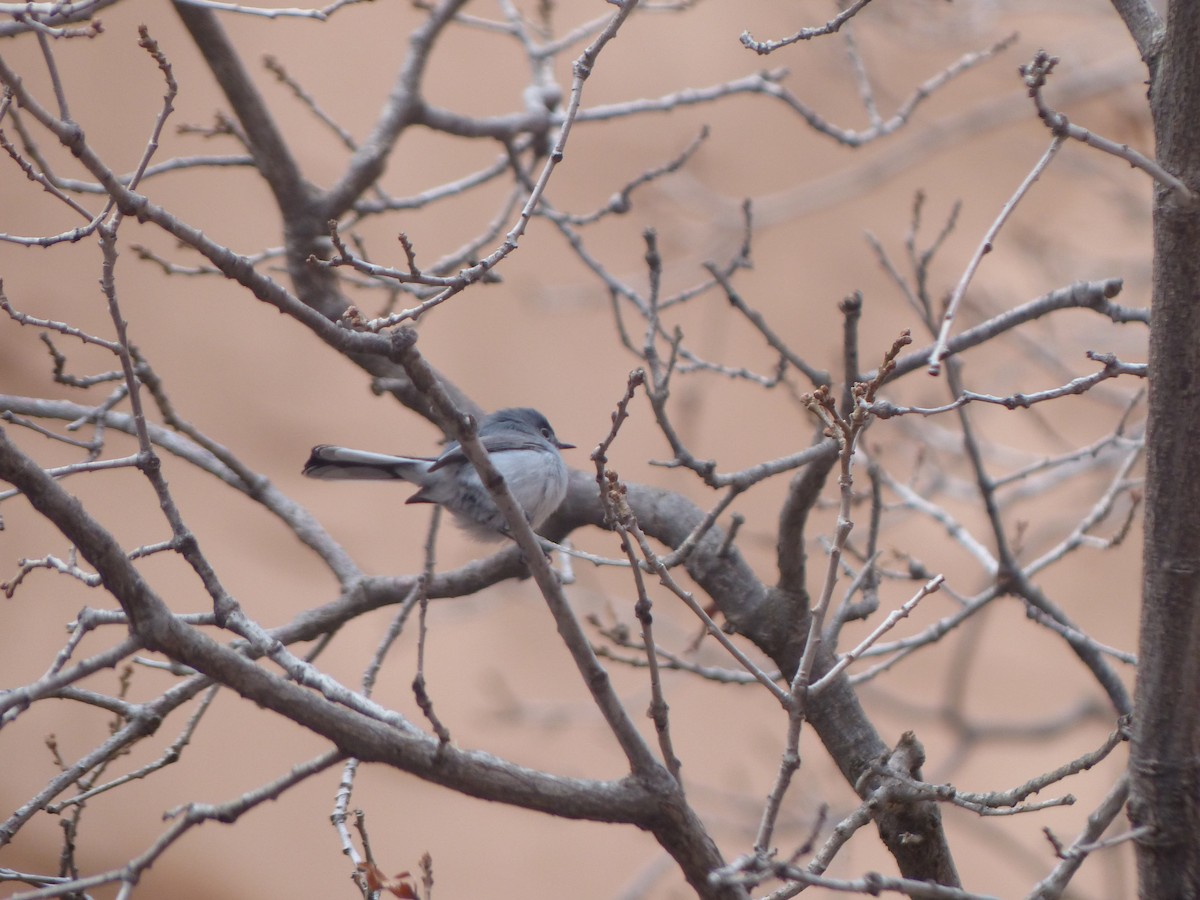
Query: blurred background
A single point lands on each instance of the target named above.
(266, 388)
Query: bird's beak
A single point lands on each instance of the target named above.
(561, 446)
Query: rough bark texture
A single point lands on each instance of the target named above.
(776, 622)
(1165, 761)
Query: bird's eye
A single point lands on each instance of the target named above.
(547, 434)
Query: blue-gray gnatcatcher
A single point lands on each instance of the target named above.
(522, 446)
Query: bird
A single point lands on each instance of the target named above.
(522, 446)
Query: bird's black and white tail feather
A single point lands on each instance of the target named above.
(334, 463)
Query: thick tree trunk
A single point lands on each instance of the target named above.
(1165, 760)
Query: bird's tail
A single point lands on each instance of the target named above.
(329, 462)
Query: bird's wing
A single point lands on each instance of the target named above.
(494, 443)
